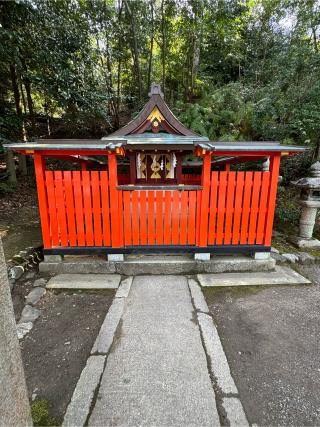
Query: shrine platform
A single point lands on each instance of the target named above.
(154, 264)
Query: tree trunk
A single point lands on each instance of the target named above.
(135, 51)
(151, 48)
(120, 6)
(11, 167)
(27, 85)
(22, 166)
(14, 403)
(23, 99)
(163, 50)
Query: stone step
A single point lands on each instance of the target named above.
(157, 264)
(84, 281)
(280, 276)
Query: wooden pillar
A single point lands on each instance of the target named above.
(116, 213)
(133, 168)
(274, 174)
(227, 167)
(179, 168)
(39, 167)
(205, 181)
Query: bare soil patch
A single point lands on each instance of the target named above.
(271, 339)
(55, 351)
(19, 218)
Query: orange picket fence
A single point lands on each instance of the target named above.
(83, 208)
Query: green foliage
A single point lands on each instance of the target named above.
(233, 70)
(287, 207)
(40, 414)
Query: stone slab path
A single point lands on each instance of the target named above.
(280, 276)
(157, 361)
(84, 281)
(157, 372)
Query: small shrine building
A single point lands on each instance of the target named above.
(134, 190)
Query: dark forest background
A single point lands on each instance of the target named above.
(230, 69)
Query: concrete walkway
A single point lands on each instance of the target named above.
(165, 365)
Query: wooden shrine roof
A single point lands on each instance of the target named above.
(155, 103)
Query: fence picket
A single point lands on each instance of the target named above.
(221, 207)
(238, 207)
(127, 218)
(70, 208)
(96, 206)
(255, 200)
(151, 237)
(159, 217)
(135, 218)
(87, 206)
(105, 202)
(246, 208)
(229, 208)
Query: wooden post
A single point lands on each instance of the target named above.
(133, 169)
(39, 167)
(179, 168)
(274, 171)
(202, 233)
(116, 240)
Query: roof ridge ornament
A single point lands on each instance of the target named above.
(155, 89)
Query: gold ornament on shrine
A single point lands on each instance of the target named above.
(156, 167)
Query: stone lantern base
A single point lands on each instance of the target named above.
(302, 242)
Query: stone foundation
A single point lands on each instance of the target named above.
(157, 264)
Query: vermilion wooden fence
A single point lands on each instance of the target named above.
(83, 208)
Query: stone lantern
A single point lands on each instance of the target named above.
(310, 202)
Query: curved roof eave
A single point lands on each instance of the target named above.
(155, 100)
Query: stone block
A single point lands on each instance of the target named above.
(84, 281)
(40, 282)
(197, 296)
(16, 272)
(261, 255)
(158, 264)
(292, 258)
(35, 295)
(202, 256)
(307, 243)
(79, 407)
(115, 257)
(108, 329)
(235, 413)
(23, 328)
(305, 258)
(281, 276)
(124, 288)
(29, 314)
(219, 365)
(53, 258)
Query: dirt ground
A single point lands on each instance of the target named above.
(19, 218)
(271, 337)
(56, 349)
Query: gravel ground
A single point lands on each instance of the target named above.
(55, 351)
(271, 337)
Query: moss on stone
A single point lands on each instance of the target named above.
(40, 414)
